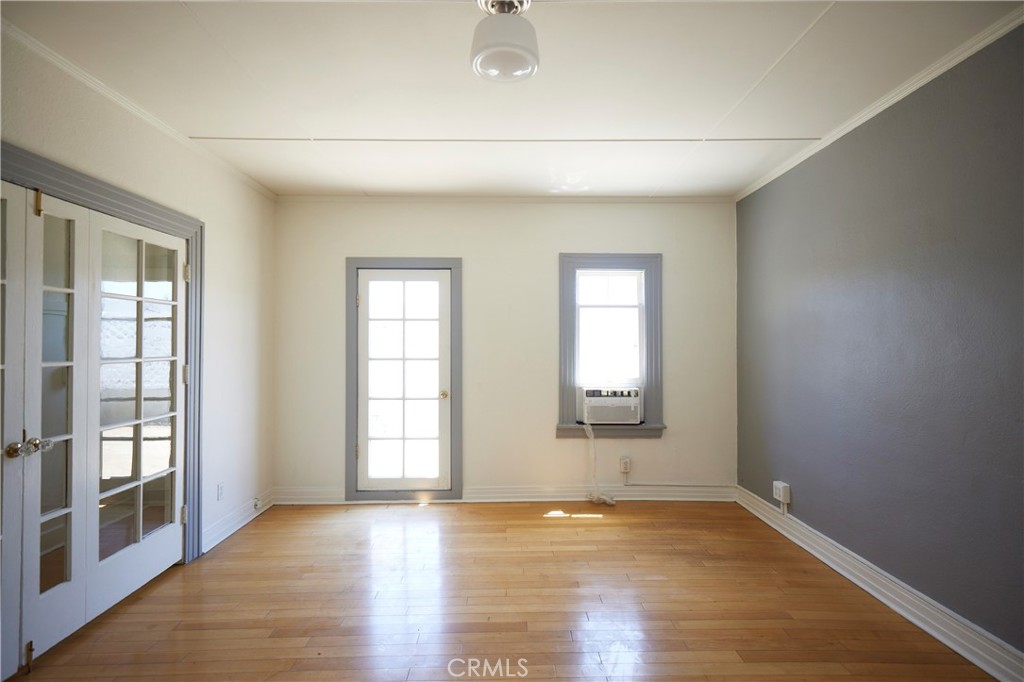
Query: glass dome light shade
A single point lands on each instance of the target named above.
(505, 48)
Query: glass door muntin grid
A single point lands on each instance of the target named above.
(59, 363)
(404, 367)
(138, 347)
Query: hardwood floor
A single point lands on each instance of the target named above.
(649, 590)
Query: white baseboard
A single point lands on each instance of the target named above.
(309, 495)
(235, 519)
(568, 493)
(532, 493)
(985, 650)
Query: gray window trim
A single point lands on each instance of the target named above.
(654, 420)
(352, 268)
(23, 168)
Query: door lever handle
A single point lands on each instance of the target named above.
(15, 450)
(40, 444)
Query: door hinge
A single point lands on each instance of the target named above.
(187, 272)
(184, 374)
(357, 452)
(39, 203)
(184, 515)
(357, 300)
(30, 652)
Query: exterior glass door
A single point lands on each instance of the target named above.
(404, 380)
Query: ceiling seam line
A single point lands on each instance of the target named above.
(785, 53)
(398, 140)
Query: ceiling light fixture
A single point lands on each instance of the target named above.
(504, 43)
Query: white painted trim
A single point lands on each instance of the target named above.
(570, 493)
(87, 79)
(216, 533)
(985, 650)
(310, 494)
(526, 493)
(285, 199)
(991, 34)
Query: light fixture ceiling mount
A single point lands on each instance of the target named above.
(504, 43)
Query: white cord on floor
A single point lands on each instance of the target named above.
(596, 495)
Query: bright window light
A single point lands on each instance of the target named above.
(609, 319)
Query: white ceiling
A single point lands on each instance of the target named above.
(633, 99)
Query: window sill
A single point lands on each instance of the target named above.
(611, 431)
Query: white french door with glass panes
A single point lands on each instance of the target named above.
(137, 424)
(45, 424)
(404, 380)
(85, 522)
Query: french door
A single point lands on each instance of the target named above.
(92, 439)
(404, 380)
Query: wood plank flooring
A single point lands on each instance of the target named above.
(387, 593)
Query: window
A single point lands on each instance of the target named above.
(610, 309)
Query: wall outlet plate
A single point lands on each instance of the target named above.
(780, 491)
(625, 464)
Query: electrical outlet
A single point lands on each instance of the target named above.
(220, 491)
(780, 491)
(625, 464)
(255, 503)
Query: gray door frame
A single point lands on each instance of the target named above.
(26, 169)
(352, 268)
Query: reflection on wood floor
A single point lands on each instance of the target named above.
(373, 593)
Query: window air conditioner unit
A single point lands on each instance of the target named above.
(609, 405)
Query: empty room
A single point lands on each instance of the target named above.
(387, 341)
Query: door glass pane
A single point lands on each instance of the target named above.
(422, 300)
(421, 458)
(157, 503)
(54, 541)
(117, 393)
(421, 339)
(385, 459)
(157, 442)
(385, 417)
(53, 474)
(120, 265)
(384, 379)
(160, 264)
(421, 379)
(385, 340)
(421, 419)
(156, 389)
(158, 330)
(117, 457)
(385, 300)
(118, 519)
(56, 252)
(56, 405)
(118, 328)
(56, 327)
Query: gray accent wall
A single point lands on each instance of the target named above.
(880, 339)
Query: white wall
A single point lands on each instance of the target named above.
(510, 261)
(47, 111)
